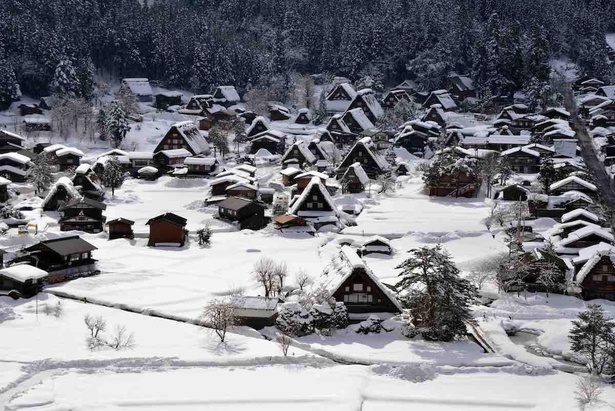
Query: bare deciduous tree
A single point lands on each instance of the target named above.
(281, 272)
(265, 273)
(121, 339)
(284, 341)
(220, 316)
(96, 326)
(302, 279)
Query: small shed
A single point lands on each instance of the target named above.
(376, 244)
(248, 213)
(303, 116)
(68, 157)
(120, 228)
(513, 192)
(255, 311)
(167, 99)
(167, 229)
(354, 179)
(26, 279)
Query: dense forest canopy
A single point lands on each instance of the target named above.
(505, 45)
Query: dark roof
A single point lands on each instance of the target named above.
(121, 220)
(84, 201)
(27, 153)
(236, 203)
(173, 218)
(66, 245)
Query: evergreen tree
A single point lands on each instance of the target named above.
(438, 298)
(112, 176)
(117, 124)
(102, 124)
(548, 174)
(65, 82)
(219, 138)
(593, 336)
(39, 175)
(9, 89)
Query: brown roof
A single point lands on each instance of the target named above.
(67, 245)
(121, 220)
(287, 218)
(173, 218)
(236, 203)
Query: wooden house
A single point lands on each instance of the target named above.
(379, 138)
(288, 221)
(436, 114)
(198, 103)
(336, 125)
(303, 180)
(376, 244)
(226, 96)
(278, 112)
(461, 87)
(10, 142)
(24, 278)
(315, 205)
(443, 98)
(556, 112)
(148, 173)
(36, 122)
(244, 190)
(120, 228)
(169, 159)
(259, 125)
(168, 99)
(394, 97)
(48, 102)
(249, 214)
(289, 174)
(582, 238)
(299, 154)
(587, 81)
(348, 279)
(61, 193)
(221, 183)
(167, 229)
(28, 109)
(255, 311)
(357, 121)
(83, 214)
(87, 182)
(338, 99)
(270, 140)
(62, 258)
(303, 116)
(459, 184)
(354, 180)
(200, 165)
(595, 272)
(408, 86)
(326, 136)
(68, 157)
(412, 140)
(14, 166)
(364, 152)
(513, 192)
(366, 101)
(581, 215)
(140, 87)
(572, 183)
(523, 160)
(184, 135)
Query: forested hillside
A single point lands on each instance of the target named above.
(195, 44)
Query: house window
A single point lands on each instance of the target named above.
(357, 287)
(75, 257)
(69, 161)
(84, 255)
(347, 289)
(321, 205)
(369, 289)
(308, 205)
(360, 154)
(598, 277)
(315, 198)
(611, 278)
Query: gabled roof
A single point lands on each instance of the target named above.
(377, 239)
(609, 91)
(579, 212)
(16, 157)
(23, 272)
(586, 232)
(342, 267)
(230, 93)
(68, 186)
(259, 119)
(10, 134)
(314, 184)
(69, 150)
(243, 185)
(176, 153)
(139, 86)
(368, 144)
(444, 99)
(65, 245)
(170, 217)
(592, 255)
(359, 117)
(121, 220)
(201, 161)
(303, 149)
(574, 180)
(520, 150)
(463, 83)
(237, 203)
(368, 96)
(338, 120)
(192, 136)
(83, 201)
(358, 171)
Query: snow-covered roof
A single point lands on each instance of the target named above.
(314, 184)
(579, 212)
(201, 161)
(359, 172)
(290, 171)
(192, 136)
(311, 174)
(559, 110)
(372, 103)
(369, 146)
(303, 149)
(337, 118)
(69, 150)
(259, 119)
(176, 153)
(609, 91)
(565, 131)
(83, 169)
(520, 149)
(242, 185)
(23, 272)
(13, 170)
(573, 180)
(342, 267)
(229, 93)
(591, 256)
(53, 148)
(231, 178)
(4, 181)
(11, 134)
(114, 152)
(140, 155)
(586, 232)
(139, 86)
(68, 186)
(377, 238)
(246, 167)
(535, 146)
(16, 157)
(360, 118)
(254, 306)
(493, 139)
(444, 99)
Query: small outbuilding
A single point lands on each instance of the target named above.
(376, 244)
(26, 279)
(167, 229)
(120, 228)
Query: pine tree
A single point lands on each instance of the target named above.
(9, 89)
(117, 124)
(102, 124)
(593, 336)
(439, 299)
(112, 176)
(40, 173)
(65, 82)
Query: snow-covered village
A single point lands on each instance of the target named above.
(298, 205)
